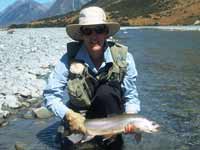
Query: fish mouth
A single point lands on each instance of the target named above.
(154, 127)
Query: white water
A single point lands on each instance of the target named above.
(168, 28)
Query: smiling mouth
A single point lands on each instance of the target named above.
(94, 42)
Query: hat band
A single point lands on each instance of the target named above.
(93, 20)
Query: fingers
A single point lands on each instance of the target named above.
(76, 121)
(77, 125)
(82, 129)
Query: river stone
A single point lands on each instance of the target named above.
(42, 113)
(33, 100)
(197, 22)
(4, 113)
(60, 129)
(28, 115)
(25, 93)
(26, 104)
(2, 121)
(20, 146)
(11, 101)
(10, 31)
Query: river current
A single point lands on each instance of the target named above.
(168, 64)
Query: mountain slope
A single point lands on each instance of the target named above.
(60, 7)
(152, 12)
(65, 6)
(136, 12)
(22, 11)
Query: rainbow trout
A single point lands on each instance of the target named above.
(115, 125)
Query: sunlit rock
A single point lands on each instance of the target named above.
(42, 113)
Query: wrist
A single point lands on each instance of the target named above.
(68, 114)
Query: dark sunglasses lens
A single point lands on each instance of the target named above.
(100, 29)
(86, 31)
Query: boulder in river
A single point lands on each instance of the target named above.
(42, 113)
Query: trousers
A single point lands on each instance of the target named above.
(106, 101)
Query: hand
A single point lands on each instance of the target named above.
(129, 128)
(76, 121)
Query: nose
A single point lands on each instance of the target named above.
(93, 35)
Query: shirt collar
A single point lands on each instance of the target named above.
(107, 54)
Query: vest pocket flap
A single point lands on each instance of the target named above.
(78, 91)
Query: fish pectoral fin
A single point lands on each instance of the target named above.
(138, 137)
(79, 138)
(108, 136)
(75, 137)
(87, 138)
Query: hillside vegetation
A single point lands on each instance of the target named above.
(135, 12)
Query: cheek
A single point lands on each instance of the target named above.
(86, 41)
(102, 38)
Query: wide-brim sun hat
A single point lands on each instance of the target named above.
(91, 16)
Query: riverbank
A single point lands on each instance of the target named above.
(26, 57)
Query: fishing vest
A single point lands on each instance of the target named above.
(81, 84)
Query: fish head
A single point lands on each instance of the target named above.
(145, 125)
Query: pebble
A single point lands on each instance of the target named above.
(20, 146)
(3, 122)
(25, 55)
(28, 115)
(42, 113)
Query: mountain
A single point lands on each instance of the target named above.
(135, 13)
(65, 6)
(151, 12)
(22, 11)
(49, 4)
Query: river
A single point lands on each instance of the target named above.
(168, 64)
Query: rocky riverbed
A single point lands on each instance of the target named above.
(26, 57)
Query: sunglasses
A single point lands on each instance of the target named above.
(99, 29)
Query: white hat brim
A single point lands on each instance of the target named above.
(73, 30)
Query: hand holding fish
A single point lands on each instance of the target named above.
(107, 127)
(76, 121)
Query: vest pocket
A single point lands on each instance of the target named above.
(78, 92)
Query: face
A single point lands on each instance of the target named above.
(94, 37)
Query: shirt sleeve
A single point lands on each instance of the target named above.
(130, 94)
(54, 93)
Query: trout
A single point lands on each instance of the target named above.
(115, 125)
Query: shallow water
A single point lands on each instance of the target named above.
(169, 87)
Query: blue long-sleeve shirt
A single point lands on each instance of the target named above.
(57, 82)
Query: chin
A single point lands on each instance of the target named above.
(96, 48)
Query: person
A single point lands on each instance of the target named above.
(98, 74)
